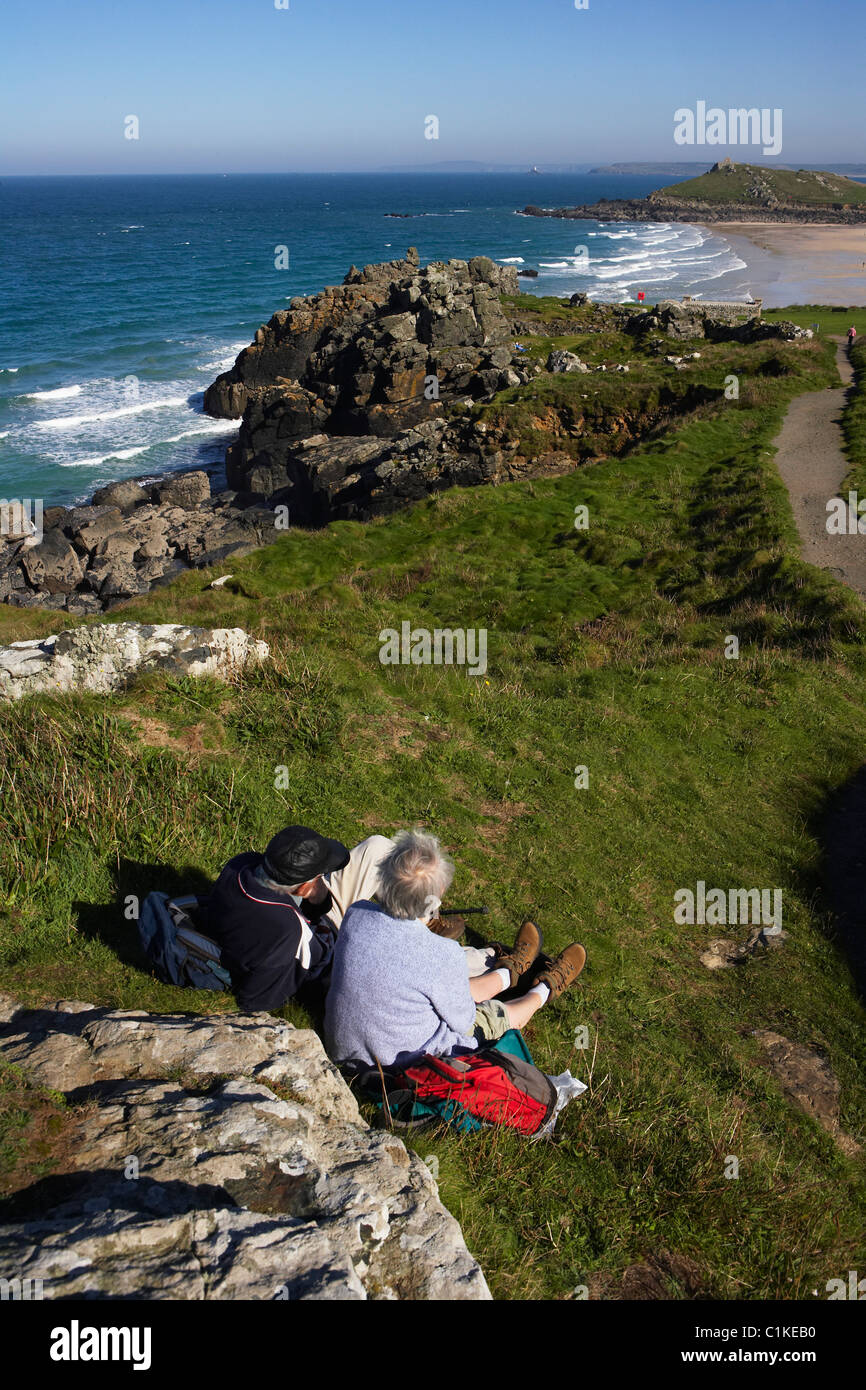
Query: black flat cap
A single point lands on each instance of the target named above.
(297, 854)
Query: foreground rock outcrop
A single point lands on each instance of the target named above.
(105, 656)
(251, 1176)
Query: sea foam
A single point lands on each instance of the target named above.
(59, 394)
(93, 460)
(73, 422)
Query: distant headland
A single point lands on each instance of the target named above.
(735, 193)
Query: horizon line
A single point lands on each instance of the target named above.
(408, 169)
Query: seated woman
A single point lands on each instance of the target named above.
(398, 990)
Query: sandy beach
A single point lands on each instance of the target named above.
(800, 265)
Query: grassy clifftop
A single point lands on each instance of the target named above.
(606, 649)
(745, 183)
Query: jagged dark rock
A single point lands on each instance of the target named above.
(358, 358)
(658, 209)
(132, 536)
(354, 404)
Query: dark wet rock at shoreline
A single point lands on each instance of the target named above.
(657, 209)
(133, 535)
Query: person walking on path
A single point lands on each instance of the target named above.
(852, 337)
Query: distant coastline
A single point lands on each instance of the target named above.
(659, 210)
(735, 193)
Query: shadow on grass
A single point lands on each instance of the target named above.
(109, 922)
(841, 832)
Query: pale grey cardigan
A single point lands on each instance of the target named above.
(396, 990)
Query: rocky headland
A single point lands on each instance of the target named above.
(352, 403)
(731, 192)
(658, 209)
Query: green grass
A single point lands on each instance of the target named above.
(804, 186)
(605, 650)
(601, 413)
(854, 419)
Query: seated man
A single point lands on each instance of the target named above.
(398, 990)
(275, 915)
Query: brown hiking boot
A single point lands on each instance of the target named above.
(522, 956)
(451, 926)
(562, 972)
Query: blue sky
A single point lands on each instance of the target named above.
(238, 85)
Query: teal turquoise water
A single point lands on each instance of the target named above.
(122, 298)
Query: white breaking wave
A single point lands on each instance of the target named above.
(73, 422)
(215, 427)
(511, 260)
(61, 393)
(8, 369)
(221, 363)
(670, 256)
(4, 434)
(93, 460)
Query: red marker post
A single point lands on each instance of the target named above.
(640, 296)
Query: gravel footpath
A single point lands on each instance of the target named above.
(812, 465)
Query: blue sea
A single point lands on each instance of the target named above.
(121, 298)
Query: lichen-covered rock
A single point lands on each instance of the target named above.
(560, 360)
(183, 1189)
(106, 656)
(73, 1044)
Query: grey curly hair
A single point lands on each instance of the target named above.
(414, 876)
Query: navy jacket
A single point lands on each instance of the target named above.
(269, 946)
